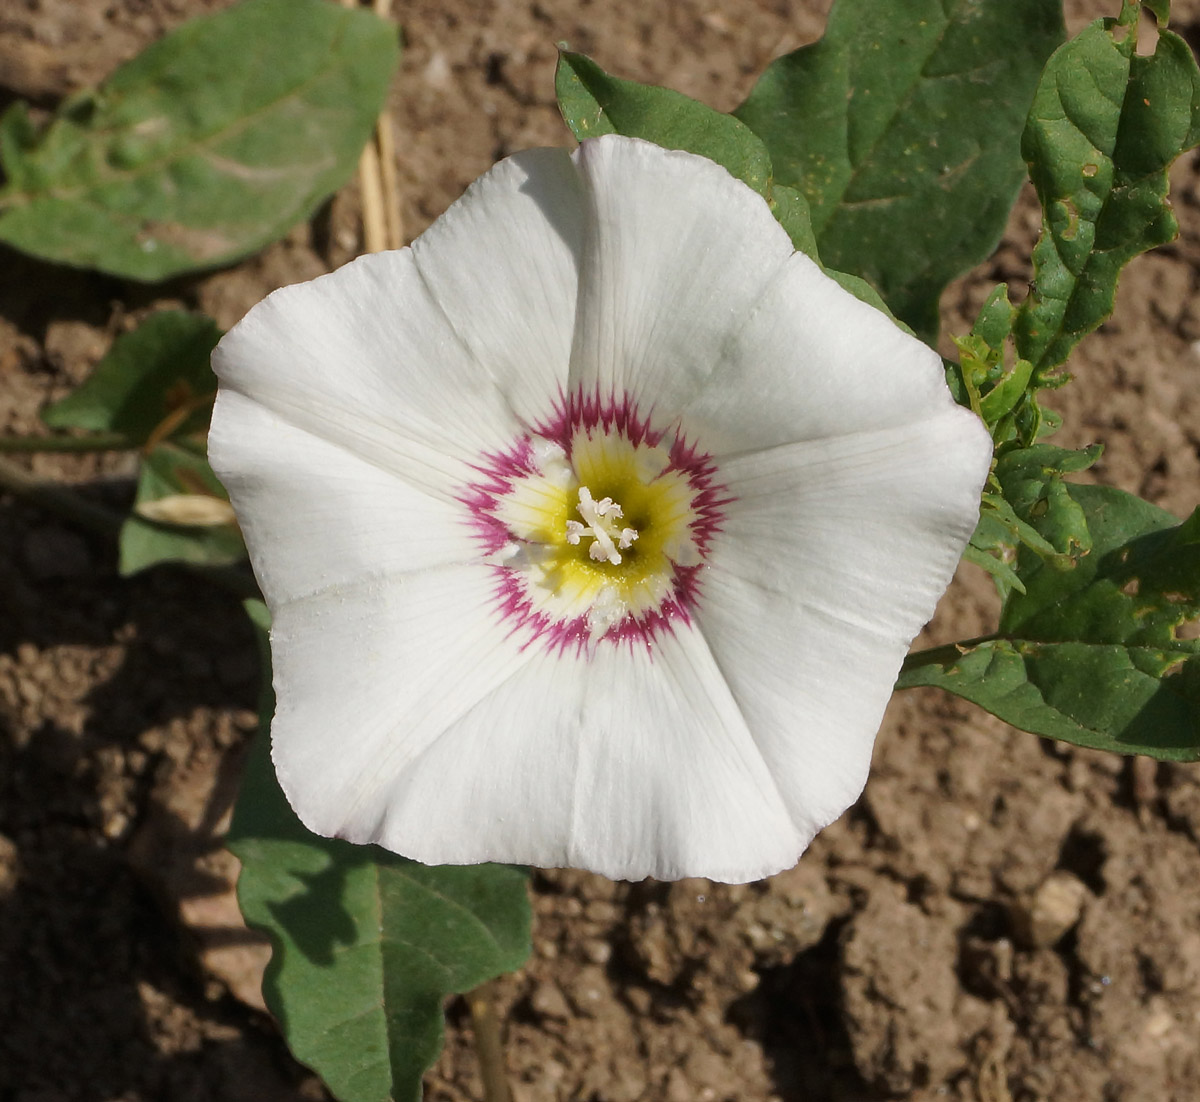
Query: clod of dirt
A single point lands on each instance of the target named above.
(907, 1020)
(1043, 917)
(548, 1001)
(9, 866)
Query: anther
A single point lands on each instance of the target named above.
(600, 523)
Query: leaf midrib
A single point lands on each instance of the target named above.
(899, 108)
(242, 122)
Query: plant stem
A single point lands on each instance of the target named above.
(371, 190)
(947, 653)
(390, 185)
(58, 499)
(386, 146)
(370, 178)
(94, 442)
(488, 1043)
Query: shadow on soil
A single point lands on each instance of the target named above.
(795, 1015)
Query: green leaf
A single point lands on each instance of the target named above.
(153, 381)
(1028, 505)
(367, 945)
(791, 211)
(991, 549)
(594, 103)
(1031, 480)
(1105, 125)
(1105, 655)
(205, 147)
(1160, 8)
(1003, 393)
(181, 513)
(1006, 393)
(902, 128)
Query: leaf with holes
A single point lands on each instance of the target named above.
(206, 146)
(902, 127)
(1105, 125)
(1105, 655)
(1031, 480)
(366, 945)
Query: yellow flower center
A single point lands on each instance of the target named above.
(600, 535)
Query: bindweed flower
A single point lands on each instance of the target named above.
(594, 526)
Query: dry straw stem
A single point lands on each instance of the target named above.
(374, 222)
(391, 185)
(382, 226)
(387, 161)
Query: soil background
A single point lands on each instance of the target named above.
(998, 919)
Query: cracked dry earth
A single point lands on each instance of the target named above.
(998, 919)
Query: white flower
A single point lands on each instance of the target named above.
(594, 527)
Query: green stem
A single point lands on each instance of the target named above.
(488, 1044)
(95, 442)
(947, 653)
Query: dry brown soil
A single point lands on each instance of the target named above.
(998, 919)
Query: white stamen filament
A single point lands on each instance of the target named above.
(600, 517)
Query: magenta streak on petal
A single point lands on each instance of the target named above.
(499, 471)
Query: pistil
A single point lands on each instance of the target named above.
(600, 517)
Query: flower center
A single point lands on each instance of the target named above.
(600, 519)
(598, 528)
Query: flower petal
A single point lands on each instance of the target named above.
(625, 764)
(833, 555)
(367, 676)
(809, 361)
(456, 745)
(692, 301)
(503, 265)
(418, 360)
(315, 516)
(676, 253)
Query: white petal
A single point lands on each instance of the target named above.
(676, 252)
(456, 745)
(367, 676)
(419, 365)
(692, 300)
(831, 558)
(317, 517)
(624, 764)
(808, 361)
(503, 265)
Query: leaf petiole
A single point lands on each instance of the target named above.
(948, 652)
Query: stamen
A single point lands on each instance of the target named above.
(599, 523)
